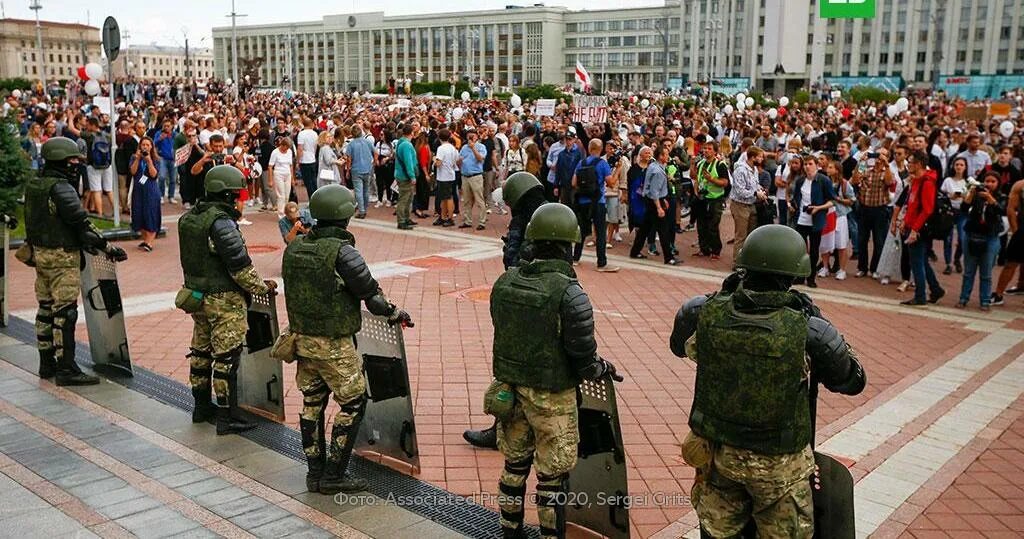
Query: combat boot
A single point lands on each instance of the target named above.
(68, 373)
(47, 364)
(336, 477)
(312, 433)
(204, 409)
(486, 438)
(314, 473)
(230, 425)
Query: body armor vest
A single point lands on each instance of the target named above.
(204, 270)
(319, 303)
(43, 227)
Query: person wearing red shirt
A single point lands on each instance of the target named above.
(920, 205)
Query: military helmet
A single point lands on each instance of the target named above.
(60, 148)
(516, 186)
(553, 222)
(775, 249)
(224, 178)
(332, 203)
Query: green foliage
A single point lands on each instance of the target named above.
(802, 97)
(543, 91)
(860, 94)
(14, 165)
(17, 83)
(440, 87)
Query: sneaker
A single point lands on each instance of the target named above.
(823, 272)
(936, 296)
(1014, 291)
(608, 246)
(488, 211)
(715, 257)
(480, 227)
(996, 299)
(913, 303)
(961, 305)
(948, 270)
(172, 200)
(608, 269)
(884, 280)
(618, 237)
(248, 203)
(876, 276)
(590, 243)
(903, 286)
(986, 308)
(244, 222)
(438, 222)
(378, 204)
(841, 276)
(672, 262)
(958, 266)
(387, 203)
(448, 223)
(859, 274)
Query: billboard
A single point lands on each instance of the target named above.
(847, 9)
(971, 87)
(889, 84)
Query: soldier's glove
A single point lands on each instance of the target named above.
(116, 253)
(610, 370)
(401, 317)
(271, 285)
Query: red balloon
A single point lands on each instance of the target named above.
(782, 111)
(81, 73)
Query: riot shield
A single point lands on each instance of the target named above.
(260, 380)
(832, 489)
(3, 273)
(104, 316)
(598, 482)
(388, 427)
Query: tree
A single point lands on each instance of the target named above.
(14, 166)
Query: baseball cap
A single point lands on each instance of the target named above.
(570, 132)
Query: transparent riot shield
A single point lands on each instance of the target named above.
(599, 500)
(3, 273)
(104, 316)
(832, 490)
(260, 380)
(388, 427)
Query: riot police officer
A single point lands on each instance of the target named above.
(325, 281)
(57, 228)
(523, 193)
(218, 270)
(543, 346)
(760, 350)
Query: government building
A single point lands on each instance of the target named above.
(775, 45)
(66, 46)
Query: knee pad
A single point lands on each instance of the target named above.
(68, 313)
(519, 468)
(356, 406)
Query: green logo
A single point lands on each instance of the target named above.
(847, 9)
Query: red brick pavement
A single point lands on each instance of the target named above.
(449, 350)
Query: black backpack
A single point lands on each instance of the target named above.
(586, 179)
(943, 218)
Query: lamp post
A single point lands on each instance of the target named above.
(234, 47)
(662, 26)
(938, 20)
(36, 6)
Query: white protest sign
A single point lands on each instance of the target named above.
(590, 108)
(545, 107)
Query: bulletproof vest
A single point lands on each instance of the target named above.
(525, 311)
(204, 270)
(318, 301)
(43, 227)
(709, 169)
(752, 376)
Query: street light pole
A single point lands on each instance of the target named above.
(234, 45)
(36, 6)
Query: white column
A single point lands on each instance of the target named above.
(1012, 59)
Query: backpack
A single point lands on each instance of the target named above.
(942, 220)
(586, 179)
(99, 154)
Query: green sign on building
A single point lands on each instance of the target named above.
(847, 9)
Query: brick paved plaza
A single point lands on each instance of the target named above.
(935, 440)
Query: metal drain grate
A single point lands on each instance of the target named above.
(450, 510)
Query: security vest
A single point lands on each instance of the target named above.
(319, 303)
(43, 227)
(204, 270)
(525, 311)
(752, 376)
(709, 169)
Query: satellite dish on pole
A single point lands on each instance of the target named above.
(111, 39)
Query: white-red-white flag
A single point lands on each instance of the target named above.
(582, 77)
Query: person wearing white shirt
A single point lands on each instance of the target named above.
(282, 170)
(306, 152)
(955, 186)
(445, 161)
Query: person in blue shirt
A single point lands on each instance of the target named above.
(164, 143)
(362, 158)
(471, 162)
(589, 180)
(565, 167)
(295, 222)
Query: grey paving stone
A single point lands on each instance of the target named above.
(80, 534)
(129, 507)
(199, 488)
(259, 517)
(45, 451)
(86, 473)
(260, 463)
(220, 496)
(170, 469)
(290, 481)
(425, 528)
(221, 448)
(72, 417)
(316, 533)
(239, 506)
(89, 428)
(95, 487)
(16, 499)
(157, 522)
(21, 439)
(197, 533)
(284, 527)
(185, 478)
(40, 523)
(110, 435)
(110, 497)
(139, 454)
(379, 520)
(323, 503)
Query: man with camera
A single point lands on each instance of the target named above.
(746, 192)
(874, 178)
(593, 174)
(295, 222)
(213, 157)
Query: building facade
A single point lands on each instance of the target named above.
(66, 46)
(777, 44)
(160, 63)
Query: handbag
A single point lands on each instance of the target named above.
(327, 175)
(284, 348)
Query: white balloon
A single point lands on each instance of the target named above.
(645, 103)
(872, 111)
(749, 101)
(16, 94)
(228, 82)
(1006, 129)
(891, 111)
(831, 110)
(92, 87)
(465, 96)
(784, 101)
(131, 65)
(457, 113)
(727, 110)
(741, 105)
(93, 70)
(515, 101)
(741, 97)
(773, 113)
(902, 104)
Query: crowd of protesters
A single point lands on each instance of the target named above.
(860, 185)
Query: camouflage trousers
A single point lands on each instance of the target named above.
(543, 432)
(218, 333)
(772, 489)
(328, 366)
(58, 283)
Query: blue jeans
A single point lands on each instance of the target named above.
(168, 176)
(981, 263)
(361, 186)
(961, 235)
(783, 211)
(308, 171)
(592, 216)
(921, 268)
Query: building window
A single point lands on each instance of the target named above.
(961, 56)
(629, 41)
(898, 57)
(570, 27)
(865, 58)
(921, 57)
(976, 56)
(614, 25)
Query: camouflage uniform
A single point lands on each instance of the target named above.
(329, 366)
(58, 281)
